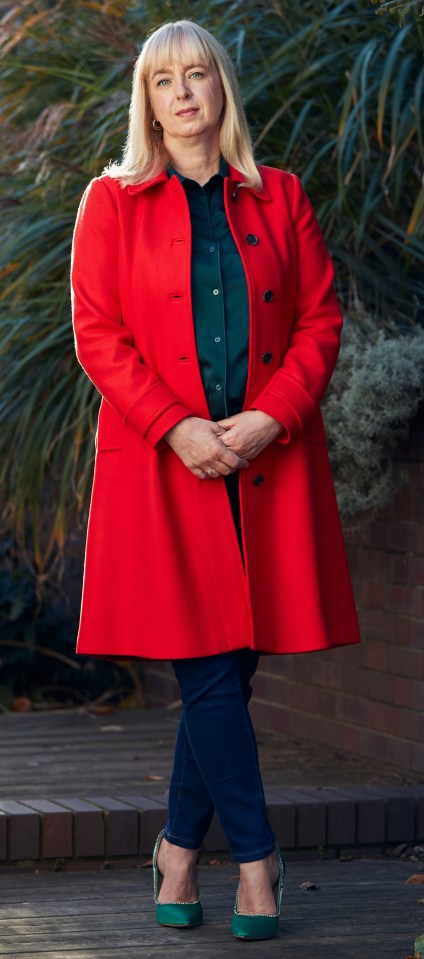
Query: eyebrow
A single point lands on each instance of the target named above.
(189, 67)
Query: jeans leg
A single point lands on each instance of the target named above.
(190, 808)
(215, 692)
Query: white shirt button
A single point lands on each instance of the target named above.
(215, 292)
(217, 339)
(218, 386)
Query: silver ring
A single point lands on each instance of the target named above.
(210, 470)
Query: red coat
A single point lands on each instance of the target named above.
(163, 576)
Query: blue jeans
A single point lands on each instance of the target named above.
(216, 762)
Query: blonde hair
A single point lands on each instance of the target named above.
(144, 155)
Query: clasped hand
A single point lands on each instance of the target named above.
(212, 449)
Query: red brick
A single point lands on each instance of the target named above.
(403, 599)
(375, 655)
(417, 791)
(400, 812)
(399, 537)
(374, 564)
(23, 826)
(311, 699)
(318, 729)
(341, 816)
(395, 720)
(121, 822)
(417, 628)
(269, 716)
(152, 813)
(402, 630)
(56, 828)
(370, 813)
(374, 595)
(351, 708)
(379, 534)
(375, 685)
(402, 691)
(376, 623)
(405, 662)
(311, 817)
(89, 831)
(282, 817)
(400, 568)
(417, 568)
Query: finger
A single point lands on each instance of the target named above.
(228, 421)
(211, 472)
(232, 459)
(197, 471)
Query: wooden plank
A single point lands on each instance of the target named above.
(110, 915)
(72, 752)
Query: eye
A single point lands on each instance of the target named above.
(198, 72)
(164, 80)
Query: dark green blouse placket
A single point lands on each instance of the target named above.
(219, 296)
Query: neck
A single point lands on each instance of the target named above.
(197, 160)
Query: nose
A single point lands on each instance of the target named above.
(182, 90)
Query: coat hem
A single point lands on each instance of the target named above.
(261, 651)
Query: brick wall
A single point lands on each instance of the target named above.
(367, 699)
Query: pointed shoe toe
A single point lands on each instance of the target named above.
(181, 914)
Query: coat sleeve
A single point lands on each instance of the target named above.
(103, 343)
(297, 387)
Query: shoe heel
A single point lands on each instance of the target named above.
(183, 915)
(260, 926)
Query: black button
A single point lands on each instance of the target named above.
(252, 239)
(268, 296)
(235, 191)
(258, 480)
(266, 357)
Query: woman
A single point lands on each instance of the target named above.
(205, 314)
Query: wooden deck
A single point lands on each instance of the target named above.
(360, 909)
(75, 753)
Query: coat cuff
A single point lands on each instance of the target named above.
(164, 422)
(291, 415)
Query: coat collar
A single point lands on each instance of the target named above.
(234, 176)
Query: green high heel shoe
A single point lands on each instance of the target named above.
(181, 914)
(259, 926)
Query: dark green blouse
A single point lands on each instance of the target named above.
(219, 296)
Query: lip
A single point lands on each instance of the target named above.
(187, 112)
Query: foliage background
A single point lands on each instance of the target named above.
(334, 92)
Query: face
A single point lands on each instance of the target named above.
(186, 99)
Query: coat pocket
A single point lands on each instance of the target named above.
(112, 432)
